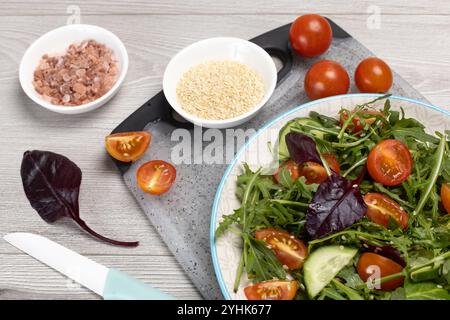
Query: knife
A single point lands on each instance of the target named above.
(109, 283)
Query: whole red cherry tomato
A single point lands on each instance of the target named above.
(326, 78)
(373, 75)
(310, 35)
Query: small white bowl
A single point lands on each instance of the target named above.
(56, 42)
(221, 48)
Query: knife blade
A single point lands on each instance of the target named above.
(109, 283)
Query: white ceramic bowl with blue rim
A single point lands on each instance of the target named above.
(226, 250)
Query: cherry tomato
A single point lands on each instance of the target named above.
(356, 125)
(390, 162)
(332, 162)
(373, 75)
(381, 208)
(310, 35)
(272, 290)
(289, 250)
(326, 78)
(313, 172)
(291, 166)
(127, 146)
(316, 173)
(369, 263)
(445, 196)
(156, 176)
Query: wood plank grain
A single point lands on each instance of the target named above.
(205, 7)
(22, 277)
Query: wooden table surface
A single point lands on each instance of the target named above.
(413, 38)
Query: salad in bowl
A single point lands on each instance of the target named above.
(358, 209)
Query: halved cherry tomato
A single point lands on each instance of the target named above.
(445, 196)
(390, 162)
(373, 75)
(356, 125)
(310, 35)
(316, 173)
(289, 250)
(370, 263)
(272, 290)
(291, 166)
(127, 146)
(332, 162)
(156, 176)
(312, 171)
(381, 208)
(326, 78)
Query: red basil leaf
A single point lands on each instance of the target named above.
(302, 148)
(52, 183)
(386, 251)
(336, 205)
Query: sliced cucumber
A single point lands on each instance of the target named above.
(283, 152)
(323, 265)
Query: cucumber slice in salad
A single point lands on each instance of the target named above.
(323, 265)
(283, 152)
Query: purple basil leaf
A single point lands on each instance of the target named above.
(302, 148)
(336, 205)
(386, 251)
(52, 183)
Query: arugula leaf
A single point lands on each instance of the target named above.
(425, 291)
(439, 159)
(349, 292)
(327, 122)
(262, 263)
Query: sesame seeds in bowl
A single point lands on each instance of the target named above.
(219, 82)
(219, 90)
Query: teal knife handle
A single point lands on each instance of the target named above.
(120, 286)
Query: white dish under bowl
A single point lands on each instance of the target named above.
(221, 48)
(56, 42)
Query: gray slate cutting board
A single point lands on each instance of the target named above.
(182, 216)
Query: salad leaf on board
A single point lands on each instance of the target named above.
(52, 183)
(337, 204)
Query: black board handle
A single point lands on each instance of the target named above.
(276, 43)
